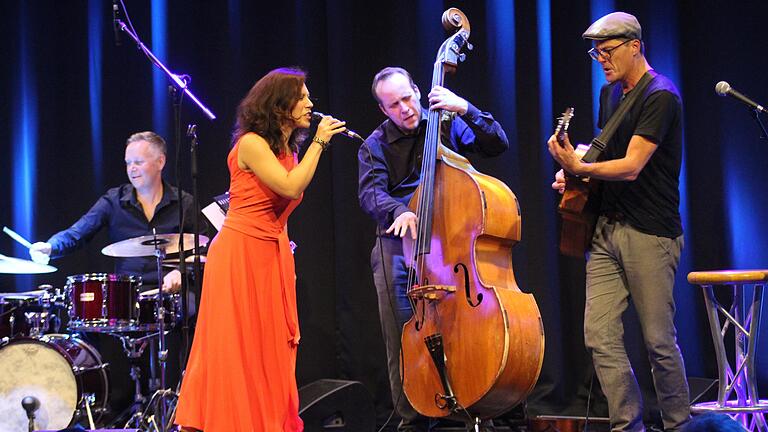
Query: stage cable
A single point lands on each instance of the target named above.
(127, 17)
(589, 399)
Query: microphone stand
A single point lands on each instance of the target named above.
(180, 88)
(192, 134)
(178, 80)
(162, 349)
(756, 116)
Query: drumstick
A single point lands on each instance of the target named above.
(88, 400)
(14, 235)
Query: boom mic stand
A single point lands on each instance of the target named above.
(180, 83)
(192, 134)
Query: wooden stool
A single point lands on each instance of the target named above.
(740, 380)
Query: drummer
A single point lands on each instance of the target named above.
(130, 210)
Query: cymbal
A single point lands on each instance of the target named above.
(174, 262)
(145, 245)
(13, 265)
(18, 296)
(34, 293)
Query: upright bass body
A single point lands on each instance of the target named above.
(491, 333)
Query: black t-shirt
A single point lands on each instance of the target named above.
(651, 202)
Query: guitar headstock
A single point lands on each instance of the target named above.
(562, 124)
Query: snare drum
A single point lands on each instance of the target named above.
(148, 310)
(61, 371)
(102, 302)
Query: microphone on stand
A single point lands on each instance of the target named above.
(724, 89)
(30, 405)
(115, 25)
(316, 115)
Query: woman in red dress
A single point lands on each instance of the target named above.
(240, 376)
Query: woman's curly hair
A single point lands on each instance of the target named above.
(267, 108)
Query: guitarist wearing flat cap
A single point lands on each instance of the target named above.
(638, 237)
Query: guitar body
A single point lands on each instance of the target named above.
(578, 210)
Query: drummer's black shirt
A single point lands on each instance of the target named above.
(121, 213)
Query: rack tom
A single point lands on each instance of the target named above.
(102, 302)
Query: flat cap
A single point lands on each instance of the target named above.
(614, 25)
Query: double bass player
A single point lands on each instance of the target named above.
(389, 173)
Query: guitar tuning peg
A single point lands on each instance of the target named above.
(469, 46)
(462, 57)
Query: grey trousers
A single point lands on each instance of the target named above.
(624, 263)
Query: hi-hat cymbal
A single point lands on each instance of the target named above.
(145, 245)
(174, 262)
(22, 266)
(18, 296)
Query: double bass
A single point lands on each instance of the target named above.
(475, 344)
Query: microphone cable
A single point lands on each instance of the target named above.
(390, 293)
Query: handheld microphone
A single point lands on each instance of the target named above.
(350, 133)
(115, 26)
(724, 89)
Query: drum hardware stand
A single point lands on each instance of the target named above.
(162, 349)
(78, 370)
(38, 322)
(134, 349)
(12, 320)
(55, 302)
(163, 401)
(156, 409)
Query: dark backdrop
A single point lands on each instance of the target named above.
(70, 98)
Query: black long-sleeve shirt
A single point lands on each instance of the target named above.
(121, 213)
(389, 163)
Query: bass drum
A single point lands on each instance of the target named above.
(61, 371)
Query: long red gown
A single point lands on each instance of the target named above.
(240, 376)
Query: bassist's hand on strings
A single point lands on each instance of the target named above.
(401, 224)
(442, 98)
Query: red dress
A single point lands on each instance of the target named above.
(241, 373)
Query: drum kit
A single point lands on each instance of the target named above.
(52, 380)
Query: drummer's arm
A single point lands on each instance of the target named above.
(74, 237)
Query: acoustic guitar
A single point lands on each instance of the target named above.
(580, 202)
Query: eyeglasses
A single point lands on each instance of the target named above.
(595, 53)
